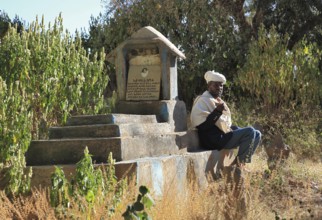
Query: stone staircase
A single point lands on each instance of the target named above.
(125, 136)
(148, 150)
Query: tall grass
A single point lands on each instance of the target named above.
(290, 192)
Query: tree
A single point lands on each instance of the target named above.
(277, 78)
(5, 22)
(212, 34)
(299, 19)
(204, 32)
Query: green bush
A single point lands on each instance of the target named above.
(15, 136)
(138, 210)
(89, 186)
(202, 30)
(45, 76)
(282, 91)
(276, 77)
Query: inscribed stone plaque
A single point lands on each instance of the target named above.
(144, 78)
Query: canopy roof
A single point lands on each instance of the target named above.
(144, 36)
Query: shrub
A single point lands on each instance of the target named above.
(276, 77)
(88, 188)
(45, 75)
(282, 91)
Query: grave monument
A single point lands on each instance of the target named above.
(147, 135)
(146, 77)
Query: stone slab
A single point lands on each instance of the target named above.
(171, 111)
(85, 131)
(143, 82)
(108, 130)
(69, 151)
(110, 119)
(189, 139)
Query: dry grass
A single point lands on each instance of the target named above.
(34, 206)
(292, 192)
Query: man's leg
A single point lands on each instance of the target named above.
(257, 140)
(247, 139)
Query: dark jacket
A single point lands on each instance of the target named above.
(210, 136)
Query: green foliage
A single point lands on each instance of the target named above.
(87, 180)
(304, 135)
(19, 180)
(279, 78)
(56, 73)
(299, 19)
(282, 92)
(14, 135)
(212, 34)
(137, 211)
(89, 184)
(5, 22)
(45, 75)
(201, 29)
(59, 191)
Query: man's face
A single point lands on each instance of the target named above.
(215, 88)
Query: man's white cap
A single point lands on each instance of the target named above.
(215, 76)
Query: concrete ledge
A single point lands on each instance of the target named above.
(189, 140)
(70, 151)
(158, 173)
(110, 119)
(177, 171)
(172, 111)
(107, 130)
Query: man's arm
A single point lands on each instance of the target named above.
(210, 120)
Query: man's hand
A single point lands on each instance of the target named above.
(220, 107)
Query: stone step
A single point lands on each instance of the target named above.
(160, 174)
(69, 151)
(108, 130)
(110, 119)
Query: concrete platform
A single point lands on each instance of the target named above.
(160, 174)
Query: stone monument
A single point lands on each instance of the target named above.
(148, 139)
(146, 77)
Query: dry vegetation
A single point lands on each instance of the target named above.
(294, 191)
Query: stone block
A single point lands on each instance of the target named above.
(108, 130)
(68, 151)
(189, 140)
(170, 111)
(110, 119)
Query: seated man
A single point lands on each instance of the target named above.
(211, 116)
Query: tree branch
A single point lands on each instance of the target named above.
(304, 29)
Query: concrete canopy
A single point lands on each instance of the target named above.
(145, 35)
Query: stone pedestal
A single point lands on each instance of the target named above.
(171, 111)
